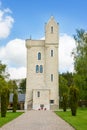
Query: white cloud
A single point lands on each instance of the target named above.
(66, 45)
(17, 73)
(14, 53)
(14, 56)
(6, 22)
(7, 10)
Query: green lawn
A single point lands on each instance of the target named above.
(9, 116)
(79, 122)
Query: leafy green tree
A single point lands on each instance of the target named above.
(63, 88)
(22, 86)
(2, 76)
(14, 89)
(12, 86)
(80, 62)
(74, 97)
(81, 84)
(15, 101)
(3, 102)
(3, 87)
(3, 72)
(69, 77)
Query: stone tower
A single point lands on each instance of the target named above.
(42, 90)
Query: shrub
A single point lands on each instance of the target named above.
(15, 101)
(74, 96)
(65, 98)
(3, 102)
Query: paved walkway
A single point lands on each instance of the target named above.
(37, 120)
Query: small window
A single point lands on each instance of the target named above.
(51, 101)
(38, 94)
(39, 56)
(37, 68)
(51, 53)
(41, 69)
(51, 29)
(51, 77)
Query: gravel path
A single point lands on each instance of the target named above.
(37, 120)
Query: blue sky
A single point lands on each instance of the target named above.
(28, 17)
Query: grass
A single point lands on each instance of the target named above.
(9, 116)
(79, 122)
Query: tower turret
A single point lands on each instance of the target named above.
(51, 31)
(51, 61)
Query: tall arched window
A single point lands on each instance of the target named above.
(51, 77)
(37, 68)
(51, 29)
(41, 69)
(51, 53)
(39, 56)
(38, 94)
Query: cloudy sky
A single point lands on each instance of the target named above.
(20, 19)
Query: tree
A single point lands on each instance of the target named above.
(69, 77)
(3, 102)
(74, 97)
(15, 101)
(2, 75)
(22, 86)
(14, 88)
(63, 88)
(3, 89)
(80, 62)
(81, 84)
(65, 99)
(3, 72)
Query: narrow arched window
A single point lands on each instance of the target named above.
(51, 53)
(37, 68)
(38, 94)
(39, 56)
(41, 69)
(51, 77)
(51, 29)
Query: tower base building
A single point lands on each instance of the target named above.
(42, 88)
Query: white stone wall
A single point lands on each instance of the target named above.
(51, 43)
(34, 80)
(42, 81)
(52, 37)
(43, 99)
(52, 68)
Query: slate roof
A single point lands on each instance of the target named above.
(21, 97)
